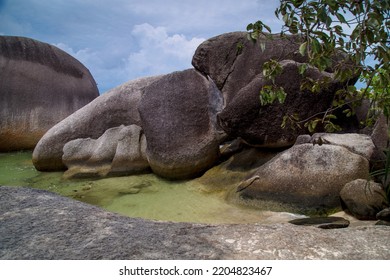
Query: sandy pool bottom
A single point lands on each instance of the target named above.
(145, 196)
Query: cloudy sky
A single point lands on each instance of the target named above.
(119, 40)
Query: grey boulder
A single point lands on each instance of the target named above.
(178, 116)
(36, 224)
(232, 61)
(118, 106)
(364, 199)
(258, 125)
(119, 151)
(40, 85)
(306, 177)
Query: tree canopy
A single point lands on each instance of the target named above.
(357, 28)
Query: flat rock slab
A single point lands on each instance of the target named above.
(36, 224)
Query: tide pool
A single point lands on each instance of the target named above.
(144, 196)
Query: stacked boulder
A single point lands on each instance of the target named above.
(310, 175)
(174, 125)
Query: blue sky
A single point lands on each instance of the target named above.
(120, 40)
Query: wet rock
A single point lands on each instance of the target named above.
(234, 170)
(322, 222)
(363, 199)
(40, 85)
(178, 116)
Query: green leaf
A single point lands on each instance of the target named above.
(302, 48)
(302, 68)
(341, 18)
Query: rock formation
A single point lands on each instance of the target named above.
(39, 86)
(118, 106)
(178, 116)
(308, 176)
(363, 199)
(37, 224)
(119, 151)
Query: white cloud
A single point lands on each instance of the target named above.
(160, 52)
(111, 38)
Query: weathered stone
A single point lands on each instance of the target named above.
(233, 61)
(118, 106)
(178, 116)
(308, 177)
(322, 222)
(120, 150)
(363, 199)
(384, 215)
(360, 144)
(39, 86)
(37, 224)
(231, 172)
(258, 125)
(130, 154)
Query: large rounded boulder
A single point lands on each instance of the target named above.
(307, 177)
(117, 107)
(233, 61)
(259, 125)
(178, 115)
(236, 65)
(39, 86)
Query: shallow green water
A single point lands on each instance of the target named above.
(146, 196)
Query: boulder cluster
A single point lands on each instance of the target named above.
(208, 120)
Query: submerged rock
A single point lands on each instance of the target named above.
(40, 85)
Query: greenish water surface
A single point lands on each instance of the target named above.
(146, 196)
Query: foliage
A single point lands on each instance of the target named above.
(358, 29)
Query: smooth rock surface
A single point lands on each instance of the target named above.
(232, 61)
(116, 107)
(363, 199)
(37, 224)
(178, 116)
(40, 85)
(258, 125)
(120, 150)
(360, 144)
(305, 176)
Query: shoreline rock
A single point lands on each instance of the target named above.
(36, 224)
